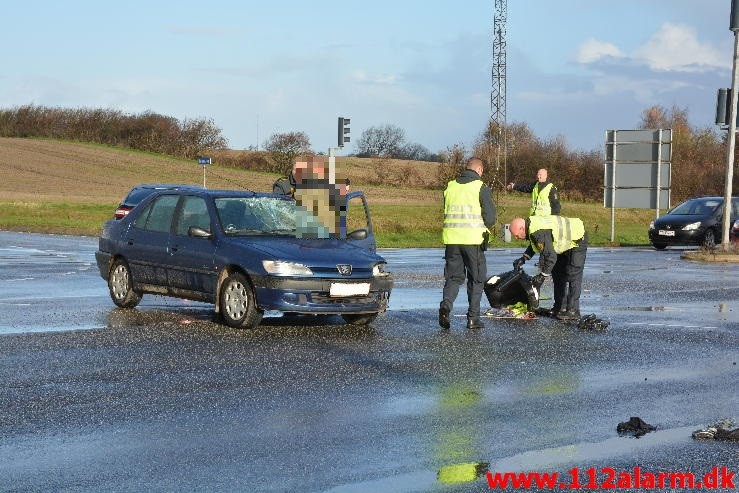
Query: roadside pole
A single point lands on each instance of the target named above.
(733, 26)
(204, 161)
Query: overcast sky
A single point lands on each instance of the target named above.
(575, 68)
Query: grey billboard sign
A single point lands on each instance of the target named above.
(637, 172)
(637, 169)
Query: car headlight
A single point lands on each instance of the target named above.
(379, 270)
(651, 225)
(692, 226)
(282, 268)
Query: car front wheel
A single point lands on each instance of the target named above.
(709, 239)
(238, 304)
(359, 318)
(120, 285)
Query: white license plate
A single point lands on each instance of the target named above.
(349, 289)
(664, 232)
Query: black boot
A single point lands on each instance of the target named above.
(568, 315)
(444, 318)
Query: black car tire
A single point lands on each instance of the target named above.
(120, 285)
(709, 239)
(659, 246)
(359, 318)
(237, 303)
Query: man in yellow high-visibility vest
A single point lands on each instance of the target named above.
(544, 195)
(562, 245)
(468, 214)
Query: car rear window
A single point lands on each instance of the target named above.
(137, 195)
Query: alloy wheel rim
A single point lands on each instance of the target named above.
(119, 282)
(235, 300)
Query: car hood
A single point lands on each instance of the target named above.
(309, 251)
(679, 220)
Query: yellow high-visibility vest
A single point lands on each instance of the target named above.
(463, 224)
(540, 205)
(565, 231)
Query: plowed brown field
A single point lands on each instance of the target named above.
(48, 170)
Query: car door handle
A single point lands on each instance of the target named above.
(130, 241)
(173, 249)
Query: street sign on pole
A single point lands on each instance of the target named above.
(203, 161)
(637, 172)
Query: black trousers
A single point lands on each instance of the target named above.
(464, 261)
(567, 276)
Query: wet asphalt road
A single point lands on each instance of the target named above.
(161, 398)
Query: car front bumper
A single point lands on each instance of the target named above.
(680, 237)
(296, 295)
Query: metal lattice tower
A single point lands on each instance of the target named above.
(498, 93)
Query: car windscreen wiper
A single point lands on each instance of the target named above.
(234, 231)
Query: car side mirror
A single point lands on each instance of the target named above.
(358, 234)
(197, 232)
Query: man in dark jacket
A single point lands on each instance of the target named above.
(286, 184)
(562, 245)
(544, 195)
(468, 214)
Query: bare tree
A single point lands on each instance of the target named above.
(284, 148)
(383, 141)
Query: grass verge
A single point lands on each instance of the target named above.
(396, 226)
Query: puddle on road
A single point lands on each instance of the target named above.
(533, 460)
(551, 458)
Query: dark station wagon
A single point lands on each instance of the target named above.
(697, 221)
(241, 251)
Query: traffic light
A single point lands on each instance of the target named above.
(343, 131)
(723, 106)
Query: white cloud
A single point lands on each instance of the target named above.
(593, 50)
(677, 48)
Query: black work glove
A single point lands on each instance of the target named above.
(518, 263)
(538, 280)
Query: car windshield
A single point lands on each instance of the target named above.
(256, 215)
(697, 207)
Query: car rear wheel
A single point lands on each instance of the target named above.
(709, 239)
(359, 318)
(659, 246)
(238, 304)
(120, 285)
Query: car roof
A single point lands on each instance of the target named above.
(165, 186)
(709, 197)
(219, 193)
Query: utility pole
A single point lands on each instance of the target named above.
(498, 93)
(733, 26)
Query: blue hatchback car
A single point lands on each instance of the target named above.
(241, 251)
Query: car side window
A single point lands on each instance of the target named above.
(735, 207)
(193, 212)
(158, 216)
